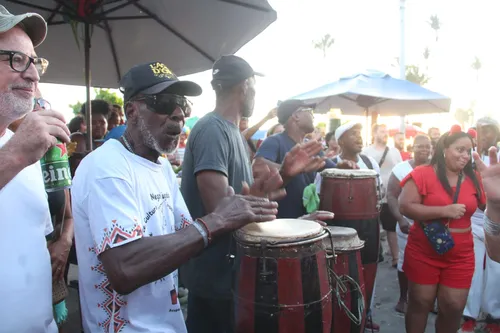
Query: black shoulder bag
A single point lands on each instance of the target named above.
(437, 232)
(382, 160)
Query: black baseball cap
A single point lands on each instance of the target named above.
(152, 78)
(230, 70)
(288, 107)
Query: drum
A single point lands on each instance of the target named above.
(343, 248)
(359, 197)
(281, 280)
(354, 197)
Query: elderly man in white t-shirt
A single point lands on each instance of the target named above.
(484, 293)
(25, 270)
(132, 226)
(421, 153)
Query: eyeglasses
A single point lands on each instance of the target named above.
(166, 103)
(20, 62)
(40, 103)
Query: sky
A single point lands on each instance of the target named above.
(367, 36)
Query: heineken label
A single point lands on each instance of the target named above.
(55, 168)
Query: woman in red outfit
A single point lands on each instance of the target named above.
(428, 195)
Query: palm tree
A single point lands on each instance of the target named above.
(324, 43)
(476, 65)
(465, 116)
(414, 75)
(427, 54)
(435, 25)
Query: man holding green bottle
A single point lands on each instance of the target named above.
(24, 259)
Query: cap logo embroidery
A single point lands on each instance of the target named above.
(161, 71)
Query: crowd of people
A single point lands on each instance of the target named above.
(134, 228)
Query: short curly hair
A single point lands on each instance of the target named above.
(98, 106)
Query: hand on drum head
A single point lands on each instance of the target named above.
(347, 165)
(319, 216)
(239, 210)
(303, 158)
(267, 182)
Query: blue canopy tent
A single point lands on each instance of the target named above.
(376, 92)
(259, 135)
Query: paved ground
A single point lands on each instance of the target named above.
(387, 293)
(386, 297)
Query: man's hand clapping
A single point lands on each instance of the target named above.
(491, 182)
(303, 158)
(267, 182)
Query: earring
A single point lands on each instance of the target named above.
(444, 155)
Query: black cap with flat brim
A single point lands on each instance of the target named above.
(289, 107)
(153, 78)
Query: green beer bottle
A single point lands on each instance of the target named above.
(55, 168)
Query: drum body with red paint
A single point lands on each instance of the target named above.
(353, 195)
(281, 283)
(343, 248)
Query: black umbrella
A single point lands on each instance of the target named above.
(187, 35)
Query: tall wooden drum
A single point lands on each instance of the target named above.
(354, 197)
(343, 248)
(281, 283)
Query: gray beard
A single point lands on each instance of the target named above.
(13, 107)
(149, 140)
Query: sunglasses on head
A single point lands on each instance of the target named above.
(166, 103)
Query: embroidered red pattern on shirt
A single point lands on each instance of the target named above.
(185, 222)
(118, 234)
(113, 302)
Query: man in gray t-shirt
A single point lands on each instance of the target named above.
(216, 157)
(215, 145)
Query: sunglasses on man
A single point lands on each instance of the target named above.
(166, 104)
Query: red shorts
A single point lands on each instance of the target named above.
(454, 269)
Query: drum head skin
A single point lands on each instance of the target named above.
(344, 239)
(279, 230)
(348, 173)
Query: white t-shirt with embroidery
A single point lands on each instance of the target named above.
(118, 198)
(25, 271)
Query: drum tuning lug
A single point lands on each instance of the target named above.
(230, 258)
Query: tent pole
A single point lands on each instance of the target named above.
(88, 109)
(402, 57)
(367, 118)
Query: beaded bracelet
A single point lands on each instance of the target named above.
(206, 228)
(490, 227)
(202, 232)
